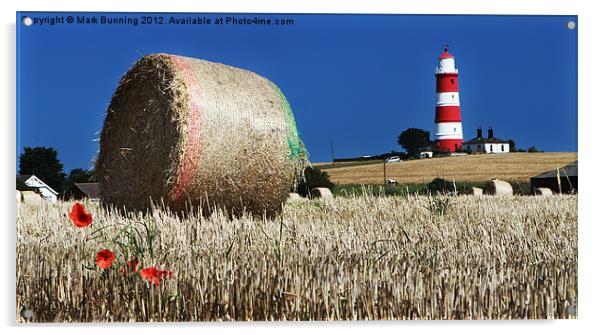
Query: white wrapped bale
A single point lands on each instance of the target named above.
(321, 193)
(498, 187)
(293, 197)
(31, 197)
(543, 191)
(475, 191)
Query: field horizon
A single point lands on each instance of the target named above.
(515, 166)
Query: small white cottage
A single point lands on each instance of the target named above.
(489, 145)
(45, 191)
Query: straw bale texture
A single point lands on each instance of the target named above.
(498, 187)
(193, 133)
(19, 196)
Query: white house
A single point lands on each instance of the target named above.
(41, 187)
(489, 145)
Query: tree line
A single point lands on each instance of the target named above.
(45, 164)
(415, 140)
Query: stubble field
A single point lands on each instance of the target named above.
(359, 258)
(511, 167)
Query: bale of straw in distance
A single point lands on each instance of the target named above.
(189, 132)
(31, 197)
(498, 187)
(321, 192)
(475, 191)
(543, 191)
(294, 197)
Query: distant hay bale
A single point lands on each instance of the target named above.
(475, 191)
(543, 191)
(31, 197)
(498, 187)
(294, 197)
(19, 196)
(189, 132)
(321, 192)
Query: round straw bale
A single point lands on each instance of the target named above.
(321, 192)
(543, 191)
(31, 197)
(498, 187)
(19, 196)
(475, 191)
(190, 133)
(294, 197)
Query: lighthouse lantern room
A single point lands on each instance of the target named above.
(448, 123)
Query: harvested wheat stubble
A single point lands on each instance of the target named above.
(190, 132)
(350, 258)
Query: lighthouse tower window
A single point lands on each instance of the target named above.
(452, 81)
(491, 147)
(502, 147)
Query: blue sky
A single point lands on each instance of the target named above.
(358, 80)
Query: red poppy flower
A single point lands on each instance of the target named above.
(105, 258)
(79, 216)
(131, 266)
(154, 275)
(151, 274)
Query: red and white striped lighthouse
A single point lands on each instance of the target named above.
(448, 123)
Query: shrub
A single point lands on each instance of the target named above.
(314, 177)
(533, 149)
(439, 185)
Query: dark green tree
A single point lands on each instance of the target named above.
(512, 145)
(533, 149)
(314, 177)
(78, 176)
(414, 140)
(44, 163)
(439, 185)
(21, 186)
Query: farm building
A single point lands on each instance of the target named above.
(489, 145)
(567, 176)
(39, 186)
(84, 190)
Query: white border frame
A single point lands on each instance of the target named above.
(589, 27)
